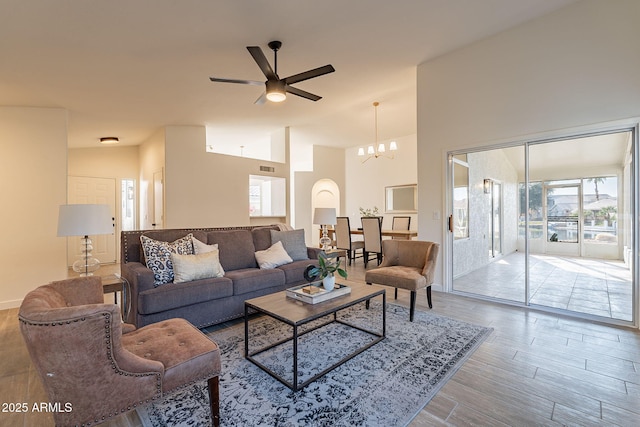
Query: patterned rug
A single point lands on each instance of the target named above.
(386, 385)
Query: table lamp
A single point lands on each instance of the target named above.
(85, 220)
(324, 217)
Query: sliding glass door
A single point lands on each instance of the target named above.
(548, 224)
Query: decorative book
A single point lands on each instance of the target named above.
(318, 293)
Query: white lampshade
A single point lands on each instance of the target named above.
(360, 151)
(381, 148)
(393, 146)
(324, 216)
(370, 150)
(84, 220)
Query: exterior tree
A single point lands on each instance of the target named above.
(595, 184)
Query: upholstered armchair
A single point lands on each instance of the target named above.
(96, 371)
(407, 264)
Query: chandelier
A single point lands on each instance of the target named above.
(377, 150)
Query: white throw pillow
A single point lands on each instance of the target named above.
(202, 248)
(273, 257)
(195, 267)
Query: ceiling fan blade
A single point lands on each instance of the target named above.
(262, 99)
(309, 74)
(244, 82)
(262, 62)
(302, 93)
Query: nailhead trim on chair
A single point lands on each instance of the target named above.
(114, 366)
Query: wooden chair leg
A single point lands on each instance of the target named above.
(395, 296)
(412, 307)
(214, 400)
(366, 258)
(429, 296)
(348, 257)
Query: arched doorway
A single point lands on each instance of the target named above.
(325, 193)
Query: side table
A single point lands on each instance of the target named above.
(115, 283)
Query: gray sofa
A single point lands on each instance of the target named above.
(209, 301)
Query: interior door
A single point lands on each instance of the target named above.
(86, 190)
(495, 248)
(563, 218)
(158, 200)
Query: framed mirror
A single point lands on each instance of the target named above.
(401, 198)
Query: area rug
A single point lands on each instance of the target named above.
(386, 385)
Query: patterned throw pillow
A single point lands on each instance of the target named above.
(158, 256)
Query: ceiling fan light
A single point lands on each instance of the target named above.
(109, 140)
(275, 91)
(393, 146)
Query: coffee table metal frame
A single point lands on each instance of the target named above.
(325, 308)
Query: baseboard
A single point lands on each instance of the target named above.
(5, 305)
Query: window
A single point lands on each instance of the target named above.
(460, 197)
(267, 196)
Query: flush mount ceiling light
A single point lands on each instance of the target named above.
(108, 140)
(377, 150)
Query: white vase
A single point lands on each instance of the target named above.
(329, 282)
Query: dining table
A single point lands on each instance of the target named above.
(407, 234)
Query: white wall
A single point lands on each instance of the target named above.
(328, 163)
(33, 184)
(365, 182)
(204, 189)
(574, 68)
(151, 154)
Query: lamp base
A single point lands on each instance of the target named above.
(325, 240)
(86, 264)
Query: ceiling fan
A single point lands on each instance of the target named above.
(277, 88)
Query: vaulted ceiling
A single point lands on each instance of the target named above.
(127, 68)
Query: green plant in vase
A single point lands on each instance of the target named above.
(326, 269)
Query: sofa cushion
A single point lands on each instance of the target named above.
(294, 272)
(262, 237)
(196, 267)
(272, 257)
(251, 279)
(176, 295)
(158, 256)
(293, 242)
(236, 248)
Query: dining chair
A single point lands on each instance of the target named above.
(400, 223)
(344, 241)
(372, 232)
(100, 367)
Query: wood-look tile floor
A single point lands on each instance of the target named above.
(534, 369)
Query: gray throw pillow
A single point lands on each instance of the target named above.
(293, 242)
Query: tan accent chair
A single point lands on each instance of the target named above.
(343, 238)
(407, 264)
(99, 367)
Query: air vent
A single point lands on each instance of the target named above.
(267, 169)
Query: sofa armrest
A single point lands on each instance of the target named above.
(313, 253)
(140, 279)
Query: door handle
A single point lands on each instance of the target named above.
(450, 223)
